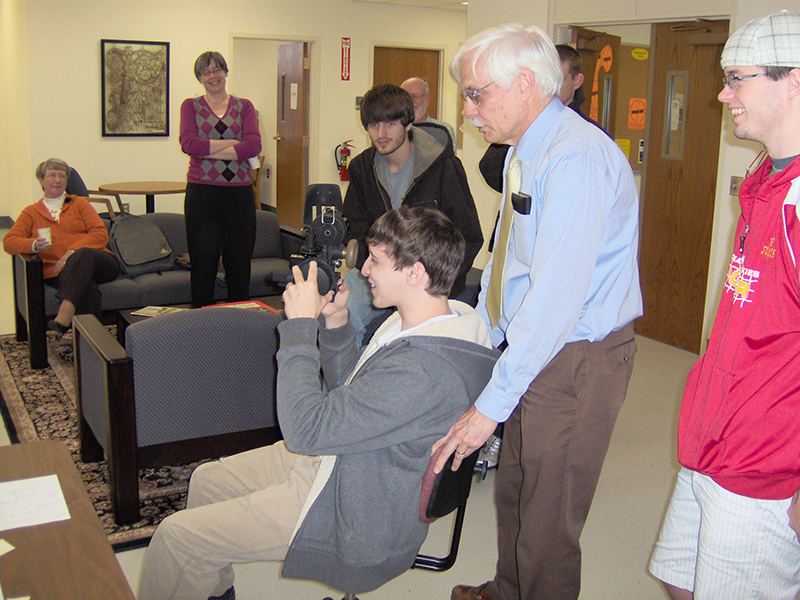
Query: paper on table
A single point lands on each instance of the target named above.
(34, 501)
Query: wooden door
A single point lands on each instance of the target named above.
(395, 65)
(631, 102)
(292, 133)
(600, 54)
(680, 172)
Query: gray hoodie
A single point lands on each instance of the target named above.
(360, 526)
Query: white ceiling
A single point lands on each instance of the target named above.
(448, 4)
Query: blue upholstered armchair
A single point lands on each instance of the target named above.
(188, 385)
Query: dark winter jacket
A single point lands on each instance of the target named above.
(438, 181)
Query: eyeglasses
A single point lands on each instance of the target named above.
(474, 95)
(416, 97)
(56, 175)
(210, 72)
(732, 81)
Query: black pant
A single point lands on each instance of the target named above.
(220, 220)
(78, 280)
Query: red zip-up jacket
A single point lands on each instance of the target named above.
(740, 418)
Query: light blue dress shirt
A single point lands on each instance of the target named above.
(571, 272)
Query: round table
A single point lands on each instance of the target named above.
(147, 188)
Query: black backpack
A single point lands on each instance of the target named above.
(140, 246)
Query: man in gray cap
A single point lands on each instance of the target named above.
(731, 530)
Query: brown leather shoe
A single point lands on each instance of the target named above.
(468, 592)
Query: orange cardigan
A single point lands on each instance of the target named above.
(79, 226)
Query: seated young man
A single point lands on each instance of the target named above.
(338, 499)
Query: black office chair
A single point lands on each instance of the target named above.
(442, 493)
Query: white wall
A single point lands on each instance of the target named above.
(63, 68)
(14, 112)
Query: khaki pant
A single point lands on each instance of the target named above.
(240, 509)
(554, 445)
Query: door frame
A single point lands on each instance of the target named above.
(444, 95)
(314, 85)
(562, 33)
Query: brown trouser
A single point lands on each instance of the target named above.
(554, 445)
(78, 280)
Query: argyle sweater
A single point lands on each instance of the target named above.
(199, 124)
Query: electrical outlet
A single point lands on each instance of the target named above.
(126, 207)
(736, 183)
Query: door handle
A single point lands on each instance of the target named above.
(277, 137)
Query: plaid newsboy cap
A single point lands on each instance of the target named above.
(771, 41)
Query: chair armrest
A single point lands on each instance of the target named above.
(292, 240)
(101, 341)
(106, 410)
(106, 200)
(33, 302)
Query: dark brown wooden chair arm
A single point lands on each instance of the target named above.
(34, 313)
(95, 333)
(90, 336)
(106, 200)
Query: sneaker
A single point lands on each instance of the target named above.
(488, 455)
(230, 594)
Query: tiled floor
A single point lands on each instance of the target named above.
(619, 535)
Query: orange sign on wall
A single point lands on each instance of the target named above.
(637, 108)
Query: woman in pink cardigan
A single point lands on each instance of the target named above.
(219, 132)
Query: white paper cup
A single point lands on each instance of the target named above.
(44, 232)
(254, 162)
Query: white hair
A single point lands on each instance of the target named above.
(505, 49)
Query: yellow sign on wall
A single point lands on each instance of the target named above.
(625, 146)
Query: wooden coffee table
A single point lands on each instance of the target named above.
(66, 559)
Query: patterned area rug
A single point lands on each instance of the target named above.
(39, 404)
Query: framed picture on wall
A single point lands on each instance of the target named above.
(135, 88)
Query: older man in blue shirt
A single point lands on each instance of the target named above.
(560, 293)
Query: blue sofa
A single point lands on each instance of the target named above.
(36, 303)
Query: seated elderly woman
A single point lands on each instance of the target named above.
(69, 236)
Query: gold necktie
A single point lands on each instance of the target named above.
(494, 295)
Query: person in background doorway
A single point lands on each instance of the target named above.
(420, 93)
(571, 92)
(220, 133)
(71, 239)
(732, 526)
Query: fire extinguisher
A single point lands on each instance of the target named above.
(342, 156)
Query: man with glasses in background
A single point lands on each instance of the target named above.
(731, 530)
(560, 294)
(420, 93)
